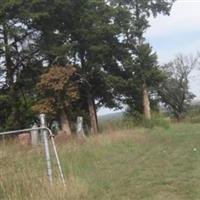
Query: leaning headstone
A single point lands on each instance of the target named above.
(34, 136)
(79, 126)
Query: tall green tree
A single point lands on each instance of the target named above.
(103, 39)
(83, 33)
(141, 68)
(18, 63)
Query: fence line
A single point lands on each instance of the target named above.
(47, 154)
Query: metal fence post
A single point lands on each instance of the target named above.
(57, 158)
(45, 130)
(46, 146)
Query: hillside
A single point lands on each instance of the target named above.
(140, 164)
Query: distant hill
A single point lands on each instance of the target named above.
(195, 102)
(111, 117)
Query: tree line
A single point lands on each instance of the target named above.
(68, 58)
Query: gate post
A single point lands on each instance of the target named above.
(46, 146)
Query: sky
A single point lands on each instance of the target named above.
(175, 34)
(178, 33)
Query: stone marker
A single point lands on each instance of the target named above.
(79, 126)
(34, 135)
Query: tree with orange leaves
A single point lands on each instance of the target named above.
(58, 90)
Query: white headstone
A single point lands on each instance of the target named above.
(34, 135)
(79, 126)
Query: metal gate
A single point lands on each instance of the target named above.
(45, 131)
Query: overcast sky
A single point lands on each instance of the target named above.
(178, 33)
(174, 34)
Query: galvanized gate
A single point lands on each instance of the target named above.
(45, 131)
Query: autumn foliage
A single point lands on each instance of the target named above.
(58, 88)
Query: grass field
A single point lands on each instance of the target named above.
(140, 164)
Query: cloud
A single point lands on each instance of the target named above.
(174, 47)
(185, 16)
(177, 33)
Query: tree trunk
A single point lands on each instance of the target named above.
(146, 102)
(179, 116)
(64, 122)
(96, 117)
(93, 115)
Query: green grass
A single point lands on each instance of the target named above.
(140, 164)
(129, 122)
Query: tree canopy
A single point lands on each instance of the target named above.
(70, 57)
(174, 90)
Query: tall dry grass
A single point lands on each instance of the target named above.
(23, 173)
(137, 164)
(23, 176)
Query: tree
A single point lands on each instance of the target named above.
(146, 73)
(18, 63)
(57, 92)
(141, 68)
(104, 40)
(174, 91)
(83, 33)
(62, 32)
(97, 50)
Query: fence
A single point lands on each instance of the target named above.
(45, 130)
